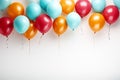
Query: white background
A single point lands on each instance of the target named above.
(78, 55)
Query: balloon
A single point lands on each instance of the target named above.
(30, 1)
(54, 9)
(4, 4)
(67, 6)
(6, 26)
(60, 25)
(98, 5)
(15, 9)
(21, 24)
(83, 7)
(111, 14)
(96, 22)
(43, 23)
(33, 10)
(44, 4)
(117, 3)
(31, 32)
(73, 20)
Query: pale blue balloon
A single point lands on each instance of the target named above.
(33, 10)
(44, 4)
(21, 24)
(73, 20)
(54, 10)
(117, 3)
(98, 5)
(30, 1)
(4, 4)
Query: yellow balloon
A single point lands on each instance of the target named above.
(96, 22)
(60, 25)
(67, 6)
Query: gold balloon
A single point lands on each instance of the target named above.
(31, 32)
(60, 25)
(15, 9)
(96, 22)
(67, 6)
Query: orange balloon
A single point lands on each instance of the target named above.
(60, 25)
(96, 22)
(31, 32)
(67, 6)
(15, 9)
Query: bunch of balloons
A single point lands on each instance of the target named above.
(33, 19)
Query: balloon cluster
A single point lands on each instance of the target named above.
(33, 19)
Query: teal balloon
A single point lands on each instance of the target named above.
(54, 9)
(4, 4)
(44, 4)
(73, 20)
(98, 5)
(30, 1)
(33, 10)
(21, 24)
(117, 3)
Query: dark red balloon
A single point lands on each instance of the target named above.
(111, 14)
(6, 26)
(83, 7)
(43, 23)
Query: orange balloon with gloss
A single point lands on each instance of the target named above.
(67, 6)
(96, 22)
(31, 32)
(60, 25)
(15, 9)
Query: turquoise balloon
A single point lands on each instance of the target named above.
(98, 5)
(44, 4)
(117, 3)
(54, 10)
(21, 24)
(33, 10)
(73, 20)
(4, 4)
(30, 1)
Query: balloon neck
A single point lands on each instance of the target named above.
(43, 34)
(94, 32)
(1, 10)
(110, 24)
(73, 29)
(58, 35)
(82, 17)
(6, 36)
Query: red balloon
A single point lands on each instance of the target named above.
(83, 7)
(111, 14)
(6, 26)
(43, 23)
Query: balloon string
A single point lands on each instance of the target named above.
(109, 30)
(40, 38)
(14, 34)
(59, 46)
(7, 42)
(81, 29)
(22, 42)
(29, 48)
(94, 39)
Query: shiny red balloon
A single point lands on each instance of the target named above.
(83, 7)
(43, 23)
(111, 14)
(6, 26)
